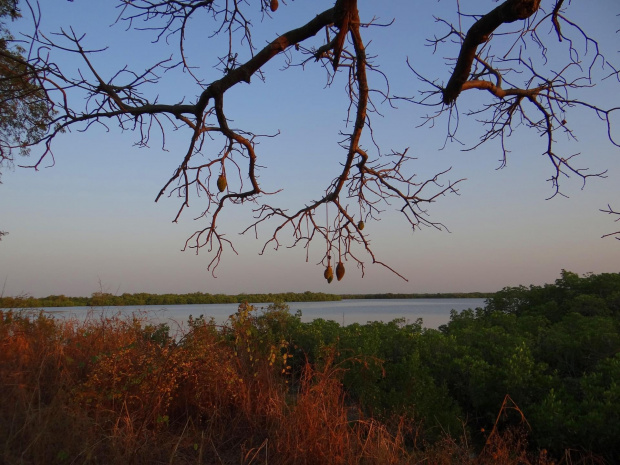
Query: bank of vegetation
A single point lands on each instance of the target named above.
(106, 299)
(531, 378)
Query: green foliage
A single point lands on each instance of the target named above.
(25, 110)
(436, 295)
(588, 295)
(106, 299)
(553, 351)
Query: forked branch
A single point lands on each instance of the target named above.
(543, 98)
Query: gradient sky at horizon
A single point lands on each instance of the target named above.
(90, 222)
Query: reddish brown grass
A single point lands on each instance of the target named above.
(105, 391)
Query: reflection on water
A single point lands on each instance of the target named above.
(434, 312)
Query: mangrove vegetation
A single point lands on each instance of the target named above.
(531, 378)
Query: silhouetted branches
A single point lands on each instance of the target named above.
(541, 99)
(611, 211)
(220, 162)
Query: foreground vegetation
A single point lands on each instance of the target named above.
(532, 378)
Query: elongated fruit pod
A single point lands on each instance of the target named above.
(339, 271)
(329, 274)
(273, 5)
(360, 225)
(221, 183)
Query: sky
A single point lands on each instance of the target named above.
(90, 223)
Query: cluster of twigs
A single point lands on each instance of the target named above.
(524, 89)
(220, 162)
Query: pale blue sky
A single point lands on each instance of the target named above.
(92, 218)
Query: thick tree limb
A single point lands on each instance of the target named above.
(508, 12)
(363, 185)
(245, 71)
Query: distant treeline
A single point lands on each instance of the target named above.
(104, 299)
(447, 295)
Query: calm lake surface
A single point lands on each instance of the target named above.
(434, 312)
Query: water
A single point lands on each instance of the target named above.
(434, 312)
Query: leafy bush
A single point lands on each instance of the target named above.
(267, 388)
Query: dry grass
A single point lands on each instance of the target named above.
(110, 391)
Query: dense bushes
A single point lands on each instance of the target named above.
(113, 391)
(267, 388)
(554, 350)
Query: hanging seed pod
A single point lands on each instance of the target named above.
(273, 5)
(221, 183)
(360, 225)
(328, 274)
(339, 271)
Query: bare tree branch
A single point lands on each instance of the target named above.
(507, 12)
(220, 162)
(611, 211)
(540, 102)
